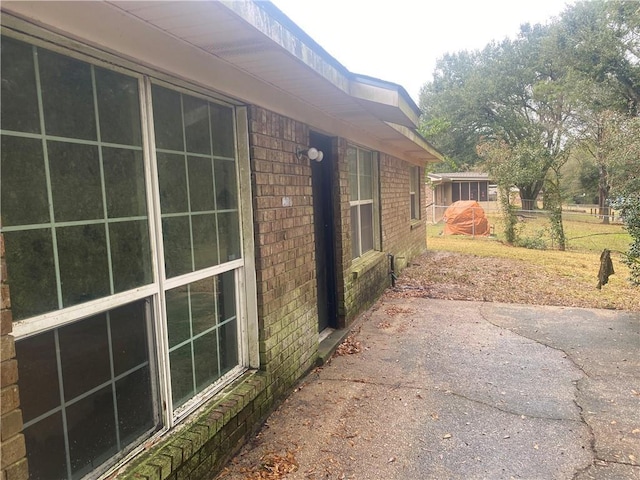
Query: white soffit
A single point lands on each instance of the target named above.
(255, 37)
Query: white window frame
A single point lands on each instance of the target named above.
(244, 267)
(374, 200)
(414, 193)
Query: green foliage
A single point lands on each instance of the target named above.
(535, 242)
(630, 209)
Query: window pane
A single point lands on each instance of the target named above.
(124, 182)
(366, 176)
(173, 183)
(464, 191)
(226, 296)
(135, 408)
(222, 130)
(203, 305)
(226, 187)
(228, 337)
(483, 191)
(67, 96)
(31, 272)
(167, 119)
(413, 206)
(24, 186)
(473, 195)
(366, 222)
(87, 353)
(205, 244)
(128, 337)
(92, 432)
(196, 125)
(205, 354)
(201, 184)
(38, 373)
(130, 255)
(177, 245)
(355, 233)
(178, 323)
(84, 355)
(455, 192)
(84, 272)
(19, 98)
(75, 181)
(45, 448)
(119, 107)
(352, 159)
(229, 236)
(182, 387)
(215, 347)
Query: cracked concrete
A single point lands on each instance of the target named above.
(467, 390)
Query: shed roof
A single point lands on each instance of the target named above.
(458, 177)
(256, 53)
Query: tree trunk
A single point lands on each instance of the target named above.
(603, 194)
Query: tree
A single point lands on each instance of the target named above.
(508, 92)
(604, 52)
(624, 156)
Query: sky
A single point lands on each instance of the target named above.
(400, 40)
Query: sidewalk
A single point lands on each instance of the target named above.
(463, 390)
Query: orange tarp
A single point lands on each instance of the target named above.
(465, 217)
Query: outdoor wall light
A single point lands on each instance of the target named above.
(311, 153)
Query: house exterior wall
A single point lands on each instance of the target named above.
(285, 293)
(12, 446)
(285, 261)
(362, 281)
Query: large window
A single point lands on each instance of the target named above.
(363, 203)
(115, 288)
(414, 193)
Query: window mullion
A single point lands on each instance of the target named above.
(47, 172)
(102, 182)
(63, 406)
(158, 323)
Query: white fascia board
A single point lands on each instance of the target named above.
(433, 156)
(278, 33)
(385, 103)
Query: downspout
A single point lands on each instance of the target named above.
(392, 273)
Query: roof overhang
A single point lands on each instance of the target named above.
(441, 178)
(248, 50)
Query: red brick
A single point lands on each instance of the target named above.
(7, 348)
(6, 300)
(6, 322)
(12, 450)
(8, 373)
(18, 470)
(9, 399)
(11, 424)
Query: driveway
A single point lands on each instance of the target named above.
(464, 390)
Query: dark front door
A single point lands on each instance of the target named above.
(322, 188)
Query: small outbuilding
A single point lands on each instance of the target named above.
(465, 218)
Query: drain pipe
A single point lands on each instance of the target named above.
(392, 272)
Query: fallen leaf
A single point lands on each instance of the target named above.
(447, 435)
(391, 460)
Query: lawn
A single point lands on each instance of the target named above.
(485, 268)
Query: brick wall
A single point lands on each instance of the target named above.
(402, 237)
(361, 282)
(287, 310)
(12, 448)
(285, 258)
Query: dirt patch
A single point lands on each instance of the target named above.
(456, 276)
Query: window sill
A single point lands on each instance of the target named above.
(360, 266)
(416, 223)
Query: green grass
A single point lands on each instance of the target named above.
(575, 269)
(583, 232)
